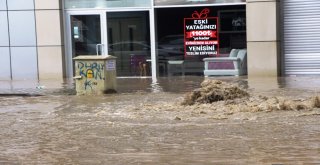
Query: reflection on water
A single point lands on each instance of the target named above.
(155, 87)
(125, 128)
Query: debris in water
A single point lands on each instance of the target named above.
(177, 118)
(316, 102)
(212, 91)
(40, 87)
(233, 99)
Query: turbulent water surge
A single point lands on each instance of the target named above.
(151, 126)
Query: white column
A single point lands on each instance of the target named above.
(153, 46)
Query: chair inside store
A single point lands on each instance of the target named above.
(235, 64)
(138, 64)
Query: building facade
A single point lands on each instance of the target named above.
(31, 42)
(39, 38)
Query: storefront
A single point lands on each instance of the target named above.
(146, 35)
(39, 39)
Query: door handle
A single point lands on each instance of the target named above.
(97, 48)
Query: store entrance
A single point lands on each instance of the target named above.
(84, 36)
(125, 35)
(129, 40)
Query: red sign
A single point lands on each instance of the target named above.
(201, 34)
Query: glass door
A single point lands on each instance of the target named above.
(129, 40)
(123, 34)
(84, 36)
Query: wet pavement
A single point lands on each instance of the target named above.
(144, 123)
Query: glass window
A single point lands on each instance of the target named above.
(4, 41)
(86, 34)
(3, 5)
(172, 49)
(106, 3)
(129, 41)
(22, 28)
(20, 4)
(232, 20)
(192, 2)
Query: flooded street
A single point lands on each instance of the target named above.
(145, 123)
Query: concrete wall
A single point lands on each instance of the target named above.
(31, 44)
(49, 38)
(263, 41)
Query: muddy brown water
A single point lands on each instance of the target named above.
(144, 123)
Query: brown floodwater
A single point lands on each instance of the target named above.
(144, 123)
